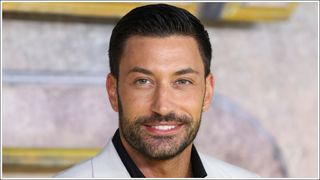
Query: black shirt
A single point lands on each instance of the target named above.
(198, 170)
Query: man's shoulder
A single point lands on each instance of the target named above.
(219, 169)
(82, 170)
(107, 164)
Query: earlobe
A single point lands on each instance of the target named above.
(210, 82)
(111, 85)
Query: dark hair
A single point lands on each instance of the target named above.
(160, 20)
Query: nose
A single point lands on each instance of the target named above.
(162, 100)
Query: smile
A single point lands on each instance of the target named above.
(163, 127)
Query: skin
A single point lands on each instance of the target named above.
(171, 80)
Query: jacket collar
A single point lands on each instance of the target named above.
(107, 164)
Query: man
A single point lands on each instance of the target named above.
(160, 83)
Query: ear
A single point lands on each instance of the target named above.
(111, 85)
(210, 82)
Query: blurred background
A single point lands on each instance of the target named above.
(264, 117)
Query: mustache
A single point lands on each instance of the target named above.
(164, 118)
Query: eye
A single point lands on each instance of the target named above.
(142, 81)
(183, 82)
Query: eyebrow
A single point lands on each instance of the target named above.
(185, 71)
(140, 70)
(148, 72)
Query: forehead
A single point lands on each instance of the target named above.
(161, 53)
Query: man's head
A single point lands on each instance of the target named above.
(160, 81)
(158, 20)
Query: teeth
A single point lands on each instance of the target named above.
(163, 127)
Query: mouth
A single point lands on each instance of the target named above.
(163, 129)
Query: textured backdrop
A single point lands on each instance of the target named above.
(264, 116)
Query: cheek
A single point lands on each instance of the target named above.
(193, 101)
(193, 104)
(190, 101)
(134, 103)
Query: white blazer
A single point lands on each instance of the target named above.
(107, 164)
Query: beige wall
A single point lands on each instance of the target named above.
(271, 70)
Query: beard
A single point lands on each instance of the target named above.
(158, 147)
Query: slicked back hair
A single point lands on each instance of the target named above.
(158, 20)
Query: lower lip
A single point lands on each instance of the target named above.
(167, 132)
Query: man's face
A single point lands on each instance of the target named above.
(160, 94)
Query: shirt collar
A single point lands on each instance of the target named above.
(198, 170)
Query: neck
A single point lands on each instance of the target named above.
(161, 168)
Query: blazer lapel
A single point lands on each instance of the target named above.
(107, 164)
